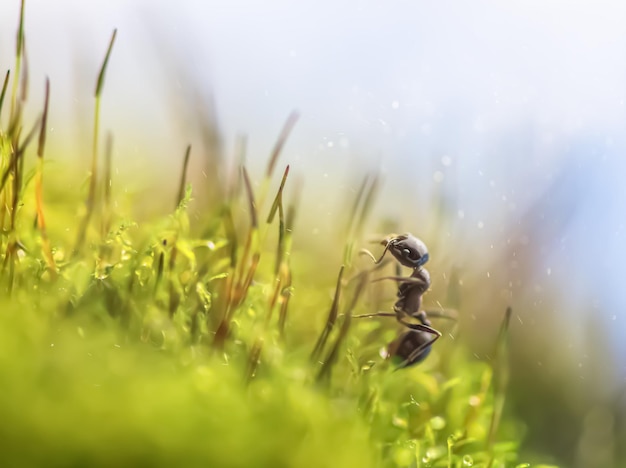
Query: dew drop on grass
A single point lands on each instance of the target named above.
(402, 423)
(468, 461)
(437, 423)
(474, 400)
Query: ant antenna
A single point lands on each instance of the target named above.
(370, 255)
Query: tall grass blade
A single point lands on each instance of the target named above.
(183, 177)
(4, 89)
(501, 376)
(41, 220)
(93, 176)
(330, 321)
(333, 355)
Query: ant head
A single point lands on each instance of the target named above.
(408, 250)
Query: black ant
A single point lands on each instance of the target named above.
(414, 345)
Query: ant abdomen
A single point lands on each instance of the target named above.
(401, 349)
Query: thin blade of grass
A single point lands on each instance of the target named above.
(254, 359)
(18, 153)
(108, 182)
(252, 235)
(19, 47)
(25, 73)
(280, 143)
(240, 286)
(358, 213)
(279, 196)
(285, 270)
(160, 266)
(183, 177)
(500, 377)
(330, 321)
(233, 185)
(368, 202)
(93, 176)
(355, 207)
(41, 220)
(174, 297)
(278, 206)
(333, 355)
(103, 68)
(278, 147)
(4, 89)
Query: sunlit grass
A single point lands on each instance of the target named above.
(176, 343)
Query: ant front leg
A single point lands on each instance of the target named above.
(448, 314)
(375, 314)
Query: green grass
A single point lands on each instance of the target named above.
(210, 342)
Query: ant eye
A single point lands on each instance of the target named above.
(411, 254)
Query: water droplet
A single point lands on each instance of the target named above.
(400, 422)
(468, 461)
(437, 423)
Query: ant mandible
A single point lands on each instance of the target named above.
(414, 345)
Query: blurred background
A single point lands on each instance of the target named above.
(497, 128)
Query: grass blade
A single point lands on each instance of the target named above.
(19, 48)
(183, 177)
(41, 220)
(500, 377)
(89, 204)
(333, 355)
(4, 89)
(330, 321)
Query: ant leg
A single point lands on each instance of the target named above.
(448, 314)
(377, 314)
(419, 327)
(402, 279)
